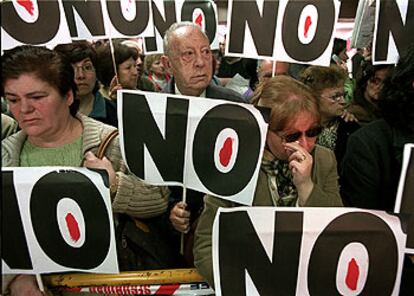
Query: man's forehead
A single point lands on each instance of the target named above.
(183, 33)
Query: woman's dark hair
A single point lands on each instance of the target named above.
(338, 46)
(78, 51)
(105, 69)
(397, 96)
(47, 65)
(365, 73)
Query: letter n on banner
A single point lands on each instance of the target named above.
(394, 30)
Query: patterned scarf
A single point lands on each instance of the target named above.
(329, 135)
(284, 182)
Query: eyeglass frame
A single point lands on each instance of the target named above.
(309, 133)
(336, 97)
(84, 68)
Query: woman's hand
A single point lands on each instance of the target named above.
(180, 217)
(25, 285)
(91, 161)
(348, 116)
(300, 163)
(114, 86)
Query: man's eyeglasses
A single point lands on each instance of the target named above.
(310, 133)
(86, 68)
(336, 96)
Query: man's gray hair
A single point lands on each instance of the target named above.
(171, 30)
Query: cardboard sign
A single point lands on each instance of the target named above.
(405, 202)
(394, 30)
(307, 251)
(211, 146)
(288, 31)
(33, 22)
(53, 22)
(59, 219)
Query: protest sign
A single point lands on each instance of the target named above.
(394, 28)
(307, 251)
(58, 219)
(289, 31)
(53, 22)
(209, 145)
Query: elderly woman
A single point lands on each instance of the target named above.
(327, 83)
(82, 56)
(126, 68)
(295, 172)
(156, 72)
(39, 87)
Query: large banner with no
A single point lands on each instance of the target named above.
(50, 22)
(56, 219)
(308, 251)
(212, 146)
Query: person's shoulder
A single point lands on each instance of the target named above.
(323, 153)
(375, 130)
(94, 126)
(219, 92)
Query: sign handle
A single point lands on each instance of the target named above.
(40, 283)
(111, 45)
(182, 234)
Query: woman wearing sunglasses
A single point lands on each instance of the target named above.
(295, 172)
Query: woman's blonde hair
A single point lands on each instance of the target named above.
(286, 97)
(149, 59)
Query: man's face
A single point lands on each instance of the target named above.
(190, 61)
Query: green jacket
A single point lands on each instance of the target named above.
(325, 193)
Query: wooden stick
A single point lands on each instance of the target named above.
(40, 282)
(183, 234)
(154, 277)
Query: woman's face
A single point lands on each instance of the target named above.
(85, 77)
(157, 68)
(37, 106)
(374, 85)
(332, 102)
(301, 123)
(128, 74)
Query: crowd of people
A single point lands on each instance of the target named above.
(333, 140)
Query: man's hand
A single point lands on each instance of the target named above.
(180, 217)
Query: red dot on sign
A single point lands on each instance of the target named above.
(352, 275)
(28, 5)
(308, 23)
(73, 227)
(226, 151)
(199, 20)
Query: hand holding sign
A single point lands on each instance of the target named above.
(91, 161)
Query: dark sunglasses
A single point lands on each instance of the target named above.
(310, 133)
